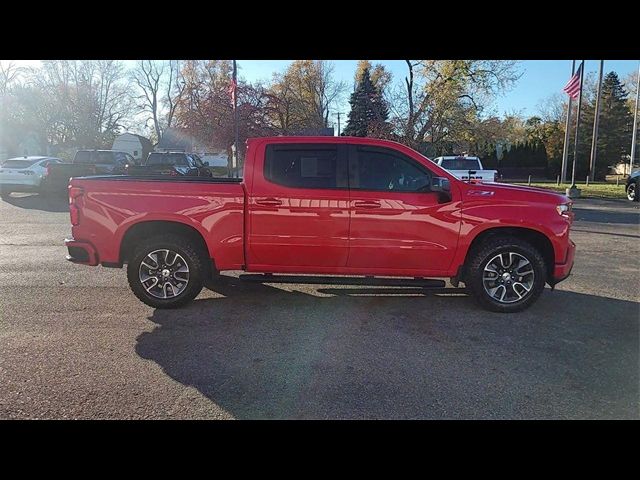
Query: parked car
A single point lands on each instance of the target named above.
(171, 163)
(324, 205)
(467, 168)
(86, 162)
(632, 187)
(24, 174)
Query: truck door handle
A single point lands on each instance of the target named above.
(268, 202)
(367, 204)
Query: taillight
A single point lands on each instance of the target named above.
(48, 171)
(74, 192)
(74, 211)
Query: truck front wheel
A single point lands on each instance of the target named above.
(166, 271)
(506, 274)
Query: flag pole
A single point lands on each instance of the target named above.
(594, 137)
(235, 120)
(573, 188)
(635, 125)
(565, 150)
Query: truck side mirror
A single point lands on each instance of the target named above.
(441, 185)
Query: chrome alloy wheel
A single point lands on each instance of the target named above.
(508, 277)
(631, 191)
(164, 274)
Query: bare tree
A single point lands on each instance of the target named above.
(9, 73)
(160, 86)
(85, 103)
(148, 77)
(174, 91)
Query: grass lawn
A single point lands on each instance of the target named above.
(593, 190)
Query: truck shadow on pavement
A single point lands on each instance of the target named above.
(38, 202)
(259, 351)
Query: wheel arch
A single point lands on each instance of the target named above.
(536, 238)
(147, 229)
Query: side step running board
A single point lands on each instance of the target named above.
(325, 280)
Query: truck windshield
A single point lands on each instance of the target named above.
(460, 164)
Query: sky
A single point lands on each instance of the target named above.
(540, 78)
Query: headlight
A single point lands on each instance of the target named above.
(564, 209)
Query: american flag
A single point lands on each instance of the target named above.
(573, 85)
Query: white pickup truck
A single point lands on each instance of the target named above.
(467, 168)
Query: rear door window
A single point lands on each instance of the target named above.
(305, 166)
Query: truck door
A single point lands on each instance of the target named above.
(299, 208)
(397, 225)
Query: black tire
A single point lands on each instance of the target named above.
(195, 259)
(633, 191)
(480, 257)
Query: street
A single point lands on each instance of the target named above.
(76, 343)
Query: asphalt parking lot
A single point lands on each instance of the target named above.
(76, 343)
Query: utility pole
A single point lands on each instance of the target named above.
(565, 151)
(338, 114)
(594, 137)
(635, 125)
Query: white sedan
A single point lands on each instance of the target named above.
(23, 174)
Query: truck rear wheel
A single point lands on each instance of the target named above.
(506, 274)
(166, 271)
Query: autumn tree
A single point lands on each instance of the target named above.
(440, 98)
(205, 111)
(304, 95)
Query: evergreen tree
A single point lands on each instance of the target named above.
(614, 129)
(616, 123)
(369, 112)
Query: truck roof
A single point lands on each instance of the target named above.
(326, 139)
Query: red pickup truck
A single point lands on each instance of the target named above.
(324, 205)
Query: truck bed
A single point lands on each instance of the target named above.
(112, 204)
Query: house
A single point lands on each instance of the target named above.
(135, 145)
